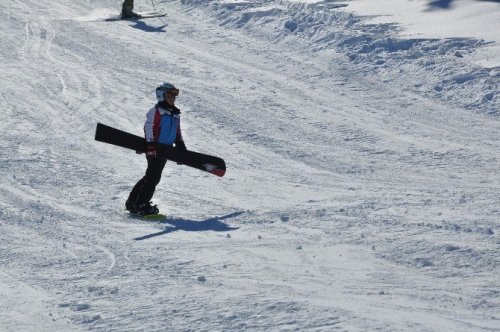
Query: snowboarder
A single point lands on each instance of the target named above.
(162, 126)
(128, 10)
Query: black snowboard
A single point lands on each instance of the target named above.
(207, 163)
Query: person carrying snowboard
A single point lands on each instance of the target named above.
(162, 126)
(128, 10)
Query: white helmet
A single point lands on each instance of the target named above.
(165, 87)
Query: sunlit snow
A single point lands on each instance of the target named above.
(362, 146)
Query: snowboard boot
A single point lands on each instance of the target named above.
(145, 209)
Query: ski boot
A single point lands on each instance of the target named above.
(128, 13)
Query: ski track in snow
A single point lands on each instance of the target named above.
(362, 190)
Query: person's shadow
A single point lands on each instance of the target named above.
(443, 4)
(446, 4)
(213, 224)
(141, 25)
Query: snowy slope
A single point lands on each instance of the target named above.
(362, 190)
(442, 19)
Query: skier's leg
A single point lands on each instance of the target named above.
(128, 9)
(128, 6)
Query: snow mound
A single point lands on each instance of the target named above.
(435, 68)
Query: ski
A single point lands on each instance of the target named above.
(204, 162)
(142, 15)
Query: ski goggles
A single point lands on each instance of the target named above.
(173, 92)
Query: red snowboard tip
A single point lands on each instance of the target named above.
(218, 172)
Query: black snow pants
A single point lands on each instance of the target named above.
(144, 189)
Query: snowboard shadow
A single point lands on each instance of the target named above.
(178, 224)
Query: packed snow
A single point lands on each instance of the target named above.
(362, 148)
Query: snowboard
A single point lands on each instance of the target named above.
(152, 217)
(142, 14)
(204, 162)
